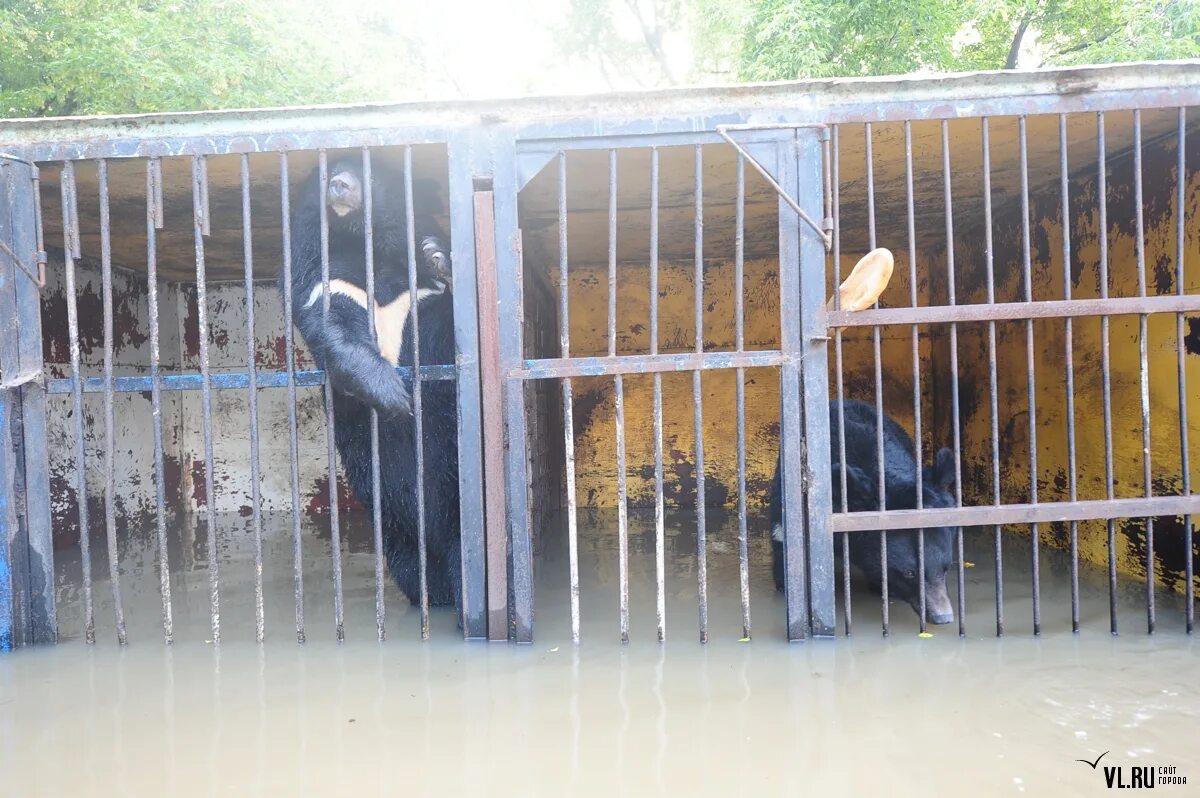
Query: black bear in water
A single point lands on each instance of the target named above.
(362, 372)
(900, 484)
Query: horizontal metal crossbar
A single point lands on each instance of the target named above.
(555, 368)
(1047, 512)
(232, 380)
(1016, 311)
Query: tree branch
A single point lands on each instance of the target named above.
(1086, 44)
(1014, 50)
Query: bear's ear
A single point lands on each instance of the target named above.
(943, 469)
(860, 488)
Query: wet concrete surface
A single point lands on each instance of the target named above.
(858, 715)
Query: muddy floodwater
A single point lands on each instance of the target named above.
(864, 715)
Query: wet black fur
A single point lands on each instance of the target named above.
(862, 491)
(362, 379)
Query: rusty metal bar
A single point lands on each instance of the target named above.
(989, 258)
(252, 395)
(554, 368)
(564, 341)
(723, 132)
(955, 423)
(153, 214)
(619, 413)
(1017, 311)
(1143, 359)
(910, 213)
(293, 441)
(739, 315)
(1105, 371)
(71, 252)
(1181, 350)
(1027, 279)
(335, 533)
(224, 381)
(376, 480)
(493, 420)
(660, 561)
(835, 205)
(819, 571)
(199, 226)
(1069, 355)
(418, 414)
(791, 430)
(877, 362)
(698, 399)
(1006, 514)
(110, 489)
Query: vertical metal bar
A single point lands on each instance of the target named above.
(71, 251)
(1027, 278)
(698, 399)
(153, 214)
(792, 459)
(293, 437)
(807, 149)
(739, 299)
(252, 395)
(989, 258)
(9, 554)
(660, 562)
(418, 415)
(619, 386)
(840, 372)
(110, 516)
(1144, 362)
(335, 534)
(1069, 355)
(199, 225)
(376, 482)
(564, 340)
(493, 420)
(878, 364)
(15, 612)
(1181, 353)
(37, 570)
(1105, 372)
(509, 269)
(465, 299)
(954, 403)
(916, 363)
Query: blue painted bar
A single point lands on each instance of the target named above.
(223, 382)
(8, 526)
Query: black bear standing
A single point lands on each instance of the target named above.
(862, 493)
(362, 372)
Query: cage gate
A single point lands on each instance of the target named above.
(791, 158)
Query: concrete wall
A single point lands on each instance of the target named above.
(181, 412)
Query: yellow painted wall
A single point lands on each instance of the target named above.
(595, 439)
(1050, 363)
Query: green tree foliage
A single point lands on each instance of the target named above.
(788, 39)
(62, 57)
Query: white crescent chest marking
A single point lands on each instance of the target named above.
(389, 319)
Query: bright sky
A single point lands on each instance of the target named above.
(503, 48)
